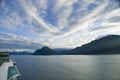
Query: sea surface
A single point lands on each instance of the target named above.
(68, 67)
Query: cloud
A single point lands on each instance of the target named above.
(12, 41)
(57, 23)
(84, 23)
(32, 13)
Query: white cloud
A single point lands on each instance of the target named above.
(32, 13)
(25, 22)
(84, 22)
(87, 21)
(63, 10)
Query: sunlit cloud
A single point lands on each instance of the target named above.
(31, 24)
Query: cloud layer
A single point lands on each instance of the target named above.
(31, 24)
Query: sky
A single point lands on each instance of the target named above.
(31, 24)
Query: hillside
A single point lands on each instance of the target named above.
(44, 51)
(106, 45)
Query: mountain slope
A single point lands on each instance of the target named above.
(106, 45)
(20, 53)
(44, 51)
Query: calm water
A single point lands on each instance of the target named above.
(74, 67)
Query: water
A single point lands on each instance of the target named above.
(73, 67)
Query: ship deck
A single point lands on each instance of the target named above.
(8, 71)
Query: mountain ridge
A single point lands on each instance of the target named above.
(44, 51)
(109, 44)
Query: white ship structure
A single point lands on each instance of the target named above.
(8, 69)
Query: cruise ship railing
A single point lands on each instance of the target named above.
(3, 59)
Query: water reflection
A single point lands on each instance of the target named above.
(82, 67)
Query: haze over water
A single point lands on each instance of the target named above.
(69, 67)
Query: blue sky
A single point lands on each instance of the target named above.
(31, 24)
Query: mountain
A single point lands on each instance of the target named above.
(61, 51)
(44, 51)
(106, 45)
(20, 53)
